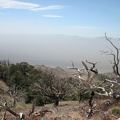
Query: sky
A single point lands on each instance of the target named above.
(56, 32)
(85, 18)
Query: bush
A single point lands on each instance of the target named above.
(116, 111)
(84, 96)
(40, 101)
(28, 99)
(30, 96)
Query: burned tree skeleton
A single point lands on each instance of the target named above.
(116, 60)
(115, 56)
(102, 90)
(87, 82)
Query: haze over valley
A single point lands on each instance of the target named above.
(55, 50)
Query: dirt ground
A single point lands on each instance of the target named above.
(71, 110)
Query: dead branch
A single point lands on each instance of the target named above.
(76, 69)
(91, 74)
(111, 81)
(20, 116)
(33, 108)
(90, 113)
(9, 110)
(115, 57)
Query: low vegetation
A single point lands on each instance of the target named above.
(116, 110)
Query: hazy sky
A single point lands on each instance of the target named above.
(55, 32)
(86, 18)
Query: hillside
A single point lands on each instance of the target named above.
(3, 86)
(67, 110)
(57, 71)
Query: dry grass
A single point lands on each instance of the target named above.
(3, 86)
(71, 111)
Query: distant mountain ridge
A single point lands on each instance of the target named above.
(57, 71)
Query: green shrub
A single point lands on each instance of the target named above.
(84, 96)
(40, 101)
(30, 96)
(116, 110)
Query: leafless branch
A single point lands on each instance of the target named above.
(115, 57)
(77, 69)
(91, 74)
(33, 108)
(115, 82)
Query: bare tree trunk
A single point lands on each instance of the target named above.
(91, 104)
(80, 97)
(56, 102)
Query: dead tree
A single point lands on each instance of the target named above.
(116, 59)
(115, 83)
(92, 72)
(92, 88)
